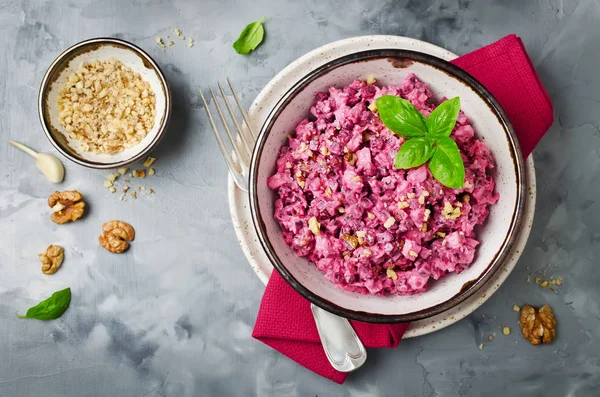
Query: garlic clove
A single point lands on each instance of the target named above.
(51, 167)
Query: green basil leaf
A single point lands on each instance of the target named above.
(414, 152)
(400, 116)
(442, 120)
(446, 165)
(51, 308)
(250, 38)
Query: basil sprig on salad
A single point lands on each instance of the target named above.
(426, 139)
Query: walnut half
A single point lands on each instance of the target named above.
(68, 206)
(51, 259)
(116, 235)
(538, 325)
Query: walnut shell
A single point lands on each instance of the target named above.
(116, 235)
(538, 325)
(68, 206)
(52, 259)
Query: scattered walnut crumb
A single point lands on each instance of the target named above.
(372, 106)
(171, 43)
(125, 188)
(149, 161)
(133, 194)
(122, 171)
(450, 212)
(506, 331)
(422, 200)
(391, 273)
(544, 284)
(371, 80)
(108, 183)
(351, 240)
(426, 215)
(351, 159)
(341, 210)
(410, 195)
(389, 222)
(151, 171)
(481, 346)
(138, 173)
(314, 226)
(190, 42)
(361, 234)
(160, 43)
(141, 188)
(538, 325)
(122, 197)
(177, 31)
(152, 191)
(112, 189)
(516, 308)
(403, 204)
(490, 337)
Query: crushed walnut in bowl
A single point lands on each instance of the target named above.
(104, 103)
(106, 106)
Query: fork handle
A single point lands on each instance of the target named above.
(342, 346)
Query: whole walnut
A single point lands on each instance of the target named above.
(116, 235)
(51, 259)
(68, 206)
(538, 325)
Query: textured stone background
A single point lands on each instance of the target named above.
(173, 317)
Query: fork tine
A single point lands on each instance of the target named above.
(237, 176)
(244, 114)
(234, 144)
(241, 133)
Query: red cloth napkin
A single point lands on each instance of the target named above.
(505, 69)
(285, 320)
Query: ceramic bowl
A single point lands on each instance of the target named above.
(102, 49)
(497, 236)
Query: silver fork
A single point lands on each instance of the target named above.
(343, 348)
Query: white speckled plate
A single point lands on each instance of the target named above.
(239, 205)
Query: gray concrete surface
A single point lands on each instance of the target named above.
(174, 316)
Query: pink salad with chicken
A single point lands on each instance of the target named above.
(369, 227)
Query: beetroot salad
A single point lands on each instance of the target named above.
(369, 227)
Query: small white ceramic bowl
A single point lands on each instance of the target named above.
(497, 236)
(102, 49)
